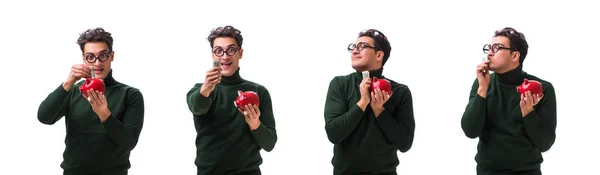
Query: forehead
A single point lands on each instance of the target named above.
(501, 40)
(94, 47)
(224, 42)
(366, 39)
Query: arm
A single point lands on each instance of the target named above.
(473, 118)
(266, 135)
(54, 107)
(541, 122)
(125, 133)
(339, 120)
(399, 126)
(197, 103)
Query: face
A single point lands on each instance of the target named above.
(96, 54)
(367, 58)
(503, 59)
(231, 54)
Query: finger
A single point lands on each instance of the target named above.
(257, 111)
(101, 97)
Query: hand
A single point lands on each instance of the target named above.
(252, 115)
(483, 77)
(99, 105)
(528, 101)
(378, 98)
(213, 77)
(365, 90)
(78, 71)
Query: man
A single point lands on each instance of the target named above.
(368, 128)
(229, 139)
(513, 129)
(102, 128)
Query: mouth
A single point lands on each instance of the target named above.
(356, 58)
(226, 65)
(98, 70)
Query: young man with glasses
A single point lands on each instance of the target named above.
(513, 129)
(368, 126)
(229, 138)
(102, 128)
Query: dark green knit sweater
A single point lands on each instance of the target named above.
(224, 142)
(363, 143)
(508, 141)
(93, 146)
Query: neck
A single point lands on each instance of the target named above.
(513, 76)
(233, 79)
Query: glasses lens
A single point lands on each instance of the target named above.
(231, 51)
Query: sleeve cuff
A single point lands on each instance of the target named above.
(61, 90)
(260, 132)
(531, 119)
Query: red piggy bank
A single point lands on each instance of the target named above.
(92, 83)
(245, 98)
(530, 85)
(382, 84)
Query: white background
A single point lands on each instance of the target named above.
(294, 49)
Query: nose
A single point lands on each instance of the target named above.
(355, 51)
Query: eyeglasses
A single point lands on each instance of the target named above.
(220, 52)
(360, 46)
(495, 48)
(102, 56)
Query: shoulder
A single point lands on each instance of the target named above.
(261, 89)
(397, 86)
(129, 90)
(341, 78)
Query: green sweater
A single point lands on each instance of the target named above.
(224, 141)
(93, 146)
(507, 140)
(363, 143)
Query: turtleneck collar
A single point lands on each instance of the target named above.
(372, 73)
(109, 80)
(513, 77)
(233, 79)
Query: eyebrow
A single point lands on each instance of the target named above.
(231, 45)
(98, 52)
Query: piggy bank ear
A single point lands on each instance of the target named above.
(239, 92)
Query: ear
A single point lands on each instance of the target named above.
(112, 56)
(241, 51)
(515, 56)
(380, 55)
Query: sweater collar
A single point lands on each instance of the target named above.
(514, 76)
(372, 73)
(233, 79)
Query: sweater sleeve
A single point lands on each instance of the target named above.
(473, 118)
(266, 135)
(54, 107)
(197, 103)
(125, 132)
(340, 120)
(398, 126)
(540, 124)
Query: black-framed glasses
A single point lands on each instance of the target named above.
(102, 56)
(495, 48)
(360, 46)
(220, 52)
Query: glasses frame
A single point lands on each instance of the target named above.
(225, 51)
(102, 56)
